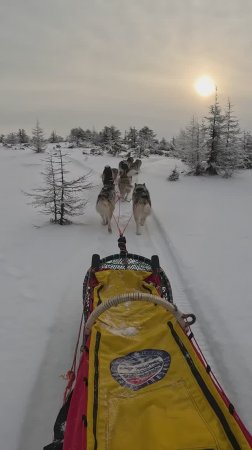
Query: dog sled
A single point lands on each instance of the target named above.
(142, 381)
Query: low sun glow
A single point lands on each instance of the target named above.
(204, 86)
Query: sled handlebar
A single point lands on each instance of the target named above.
(139, 296)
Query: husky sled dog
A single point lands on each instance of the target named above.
(105, 204)
(135, 167)
(130, 161)
(107, 176)
(114, 173)
(123, 167)
(124, 185)
(141, 205)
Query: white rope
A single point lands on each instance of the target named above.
(134, 296)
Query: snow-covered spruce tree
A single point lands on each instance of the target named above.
(230, 156)
(55, 138)
(180, 145)
(146, 140)
(164, 145)
(38, 140)
(22, 136)
(77, 136)
(47, 198)
(195, 146)
(11, 139)
(106, 138)
(132, 138)
(95, 137)
(69, 202)
(116, 140)
(247, 149)
(191, 146)
(214, 126)
(111, 139)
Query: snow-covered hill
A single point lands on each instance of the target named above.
(201, 229)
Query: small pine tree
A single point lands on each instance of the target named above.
(11, 139)
(53, 138)
(174, 176)
(38, 140)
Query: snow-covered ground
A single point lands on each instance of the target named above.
(201, 229)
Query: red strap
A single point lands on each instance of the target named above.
(70, 376)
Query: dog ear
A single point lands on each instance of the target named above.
(144, 184)
(135, 184)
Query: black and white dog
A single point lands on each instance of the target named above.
(107, 176)
(105, 204)
(141, 205)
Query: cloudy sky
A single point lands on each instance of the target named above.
(92, 63)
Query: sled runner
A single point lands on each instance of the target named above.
(142, 381)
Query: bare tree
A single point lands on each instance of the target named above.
(61, 196)
(70, 203)
(46, 198)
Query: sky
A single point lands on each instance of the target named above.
(92, 63)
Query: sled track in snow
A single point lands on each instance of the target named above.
(185, 298)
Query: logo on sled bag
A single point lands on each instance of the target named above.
(139, 369)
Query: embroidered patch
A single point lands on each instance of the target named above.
(139, 369)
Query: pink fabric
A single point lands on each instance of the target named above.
(76, 431)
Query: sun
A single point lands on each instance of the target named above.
(205, 86)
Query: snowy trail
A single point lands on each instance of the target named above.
(52, 294)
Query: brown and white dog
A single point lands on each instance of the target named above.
(124, 185)
(114, 173)
(136, 165)
(123, 167)
(105, 204)
(141, 205)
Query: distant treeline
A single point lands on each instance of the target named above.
(212, 145)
